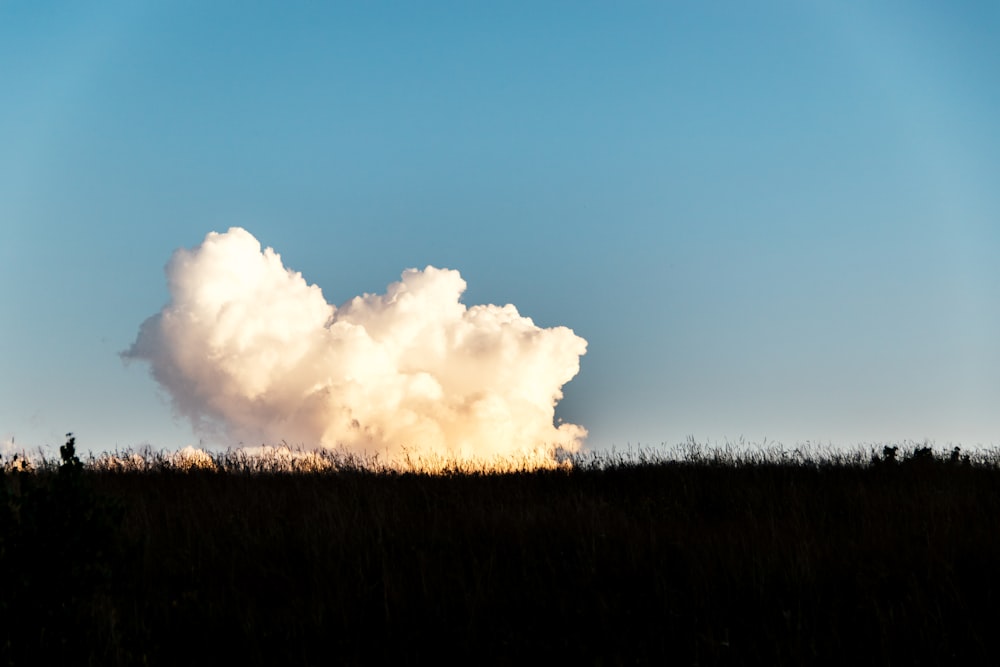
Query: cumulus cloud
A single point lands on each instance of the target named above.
(249, 351)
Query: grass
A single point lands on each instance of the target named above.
(738, 555)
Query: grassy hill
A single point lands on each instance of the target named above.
(883, 557)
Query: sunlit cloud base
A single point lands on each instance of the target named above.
(286, 460)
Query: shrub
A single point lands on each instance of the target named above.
(57, 551)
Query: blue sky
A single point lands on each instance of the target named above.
(772, 220)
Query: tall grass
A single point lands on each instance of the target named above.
(694, 555)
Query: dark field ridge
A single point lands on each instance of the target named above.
(890, 557)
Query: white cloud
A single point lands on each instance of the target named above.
(247, 345)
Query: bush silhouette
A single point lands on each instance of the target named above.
(57, 552)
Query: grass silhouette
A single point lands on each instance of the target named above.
(706, 556)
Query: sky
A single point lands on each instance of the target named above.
(774, 221)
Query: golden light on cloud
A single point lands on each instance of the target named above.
(247, 348)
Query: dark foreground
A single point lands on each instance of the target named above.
(871, 560)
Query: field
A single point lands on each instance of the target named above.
(882, 556)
